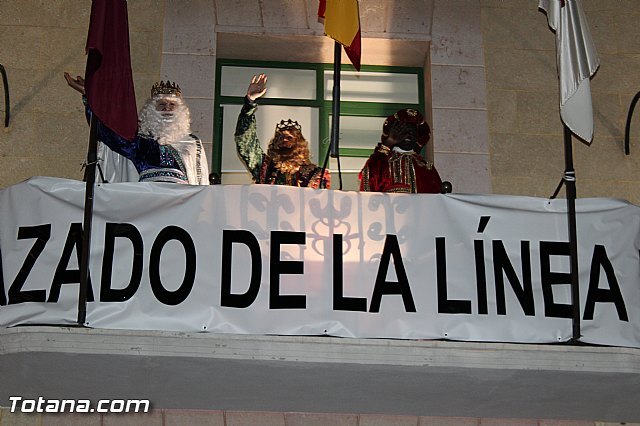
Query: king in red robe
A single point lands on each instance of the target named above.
(396, 165)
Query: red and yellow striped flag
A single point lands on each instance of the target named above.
(342, 23)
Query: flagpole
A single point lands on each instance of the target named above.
(7, 103)
(334, 149)
(90, 177)
(570, 188)
(335, 118)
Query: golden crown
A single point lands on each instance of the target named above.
(286, 125)
(167, 88)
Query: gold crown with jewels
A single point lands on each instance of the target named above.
(167, 88)
(286, 125)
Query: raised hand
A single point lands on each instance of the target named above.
(76, 84)
(257, 87)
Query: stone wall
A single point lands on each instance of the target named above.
(39, 40)
(266, 418)
(526, 139)
(492, 61)
(460, 130)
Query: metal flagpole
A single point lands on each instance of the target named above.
(577, 62)
(335, 118)
(334, 147)
(90, 177)
(7, 103)
(570, 188)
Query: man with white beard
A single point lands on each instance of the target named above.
(163, 150)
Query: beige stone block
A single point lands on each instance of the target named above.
(189, 39)
(320, 419)
(43, 91)
(458, 87)
(624, 6)
(146, 51)
(538, 113)
(143, 84)
(409, 17)
(195, 73)
(61, 47)
(506, 4)
(20, 133)
(68, 419)
(615, 424)
(39, 48)
(387, 420)
(17, 169)
(460, 131)
(502, 110)
(373, 15)
(591, 188)
(515, 155)
(609, 115)
(521, 69)
(600, 24)
(614, 74)
(456, 34)
(248, 418)
(565, 423)
(598, 6)
(448, 421)
(21, 47)
(200, 14)
(284, 14)
(504, 28)
(468, 173)
(626, 24)
(634, 149)
(76, 14)
(20, 419)
(31, 13)
(60, 136)
(246, 13)
(533, 186)
(603, 159)
(193, 418)
(201, 118)
(508, 422)
(146, 15)
(633, 192)
(152, 418)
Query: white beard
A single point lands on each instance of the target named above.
(166, 128)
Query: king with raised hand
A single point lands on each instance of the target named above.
(287, 160)
(164, 149)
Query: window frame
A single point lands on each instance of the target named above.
(347, 108)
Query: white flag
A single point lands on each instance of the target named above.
(577, 61)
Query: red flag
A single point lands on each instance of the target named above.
(108, 77)
(342, 23)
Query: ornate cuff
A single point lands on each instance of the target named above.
(383, 149)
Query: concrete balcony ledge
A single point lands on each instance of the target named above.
(322, 349)
(177, 370)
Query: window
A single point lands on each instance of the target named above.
(303, 92)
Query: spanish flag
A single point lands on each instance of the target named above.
(342, 23)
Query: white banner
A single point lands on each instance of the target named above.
(280, 260)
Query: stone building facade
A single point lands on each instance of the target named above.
(491, 86)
